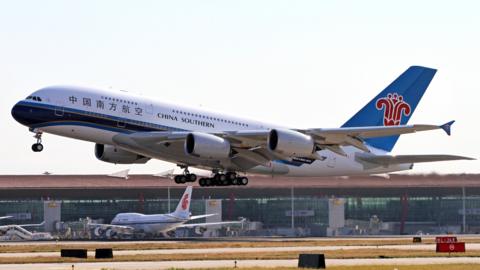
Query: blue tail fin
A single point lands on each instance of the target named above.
(394, 105)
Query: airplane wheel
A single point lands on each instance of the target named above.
(37, 147)
(201, 182)
(235, 181)
(208, 182)
(231, 176)
(191, 177)
(243, 181)
(182, 179)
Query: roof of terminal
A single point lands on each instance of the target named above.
(85, 187)
(146, 181)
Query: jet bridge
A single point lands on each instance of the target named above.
(17, 233)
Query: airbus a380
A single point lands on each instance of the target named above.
(127, 129)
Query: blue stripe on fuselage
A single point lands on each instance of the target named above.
(288, 162)
(37, 115)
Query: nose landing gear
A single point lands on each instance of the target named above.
(37, 147)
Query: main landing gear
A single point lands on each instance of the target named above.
(185, 177)
(220, 179)
(37, 147)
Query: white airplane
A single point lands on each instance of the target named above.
(128, 223)
(127, 129)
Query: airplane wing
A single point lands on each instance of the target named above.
(23, 225)
(372, 161)
(202, 216)
(32, 225)
(251, 149)
(211, 224)
(109, 226)
(6, 217)
(331, 139)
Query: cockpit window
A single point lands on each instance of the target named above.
(34, 98)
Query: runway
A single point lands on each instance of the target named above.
(154, 265)
(469, 246)
(169, 255)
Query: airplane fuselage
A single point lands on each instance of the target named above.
(151, 224)
(97, 116)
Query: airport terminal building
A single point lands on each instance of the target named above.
(273, 206)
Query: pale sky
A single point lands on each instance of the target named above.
(295, 63)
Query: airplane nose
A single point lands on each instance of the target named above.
(19, 114)
(15, 112)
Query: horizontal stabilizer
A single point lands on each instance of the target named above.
(386, 160)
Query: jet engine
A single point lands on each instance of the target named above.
(109, 234)
(200, 230)
(112, 154)
(207, 146)
(290, 143)
(98, 231)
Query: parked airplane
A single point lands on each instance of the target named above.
(128, 223)
(132, 129)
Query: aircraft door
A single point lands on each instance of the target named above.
(331, 160)
(149, 108)
(59, 108)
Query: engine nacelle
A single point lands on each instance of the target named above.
(290, 143)
(112, 154)
(200, 230)
(207, 146)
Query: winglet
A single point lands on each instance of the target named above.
(447, 127)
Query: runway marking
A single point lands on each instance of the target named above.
(430, 247)
(151, 265)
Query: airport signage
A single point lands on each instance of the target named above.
(451, 247)
(446, 239)
(300, 213)
(470, 212)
